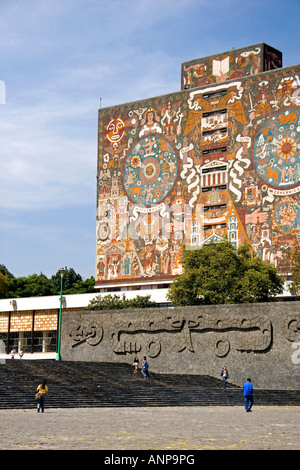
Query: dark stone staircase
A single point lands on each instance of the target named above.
(94, 384)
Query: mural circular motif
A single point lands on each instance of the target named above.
(150, 170)
(276, 151)
(103, 231)
(286, 215)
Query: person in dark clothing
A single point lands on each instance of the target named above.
(136, 364)
(224, 375)
(145, 367)
(248, 395)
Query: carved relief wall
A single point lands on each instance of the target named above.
(221, 159)
(249, 339)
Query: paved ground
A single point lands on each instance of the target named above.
(27, 356)
(167, 428)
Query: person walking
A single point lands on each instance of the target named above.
(145, 367)
(43, 390)
(12, 353)
(248, 395)
(224, 375)
(21, 353)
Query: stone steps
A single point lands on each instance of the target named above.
(78, 384)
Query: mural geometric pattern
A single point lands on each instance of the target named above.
(150, 170)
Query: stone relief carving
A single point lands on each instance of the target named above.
(291, 327)
(251, 333)
(128, 335)
(90, 333)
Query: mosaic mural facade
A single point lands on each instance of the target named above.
(237, 63)
(218, 158)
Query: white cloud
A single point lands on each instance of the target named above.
(48, 128)
(41, 167)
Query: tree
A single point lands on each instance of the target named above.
(69, 280)
(112, 302)
(294, 263)
(219, 274)
(82, 287)
(4, 286)
(5, 271)
(34, 285)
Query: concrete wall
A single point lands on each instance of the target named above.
(257, 340)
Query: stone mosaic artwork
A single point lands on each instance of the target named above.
(250, 332)
(219, 159)
(201, 339)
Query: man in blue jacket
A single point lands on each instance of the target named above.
(248, 394)
(145, 367)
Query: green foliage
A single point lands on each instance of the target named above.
(5, 271)
(219, 274)
(114, 302)
(294, 264)
(4, 286)
(70, 278)
(82, 287)
(37, 285)
(34, 285)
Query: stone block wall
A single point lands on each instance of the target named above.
(261, 341)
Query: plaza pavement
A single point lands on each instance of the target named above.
(172, 429)
(27, 356)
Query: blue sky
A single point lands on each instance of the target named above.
(57, 58)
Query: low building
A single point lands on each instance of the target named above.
(31, 323)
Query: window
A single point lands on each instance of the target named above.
(223, 130)
(212, 170)
(214, 113)
(216, 94)
(215, 150)
(215, 207)
(216, 188)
